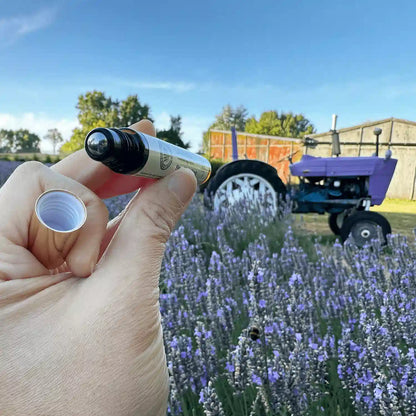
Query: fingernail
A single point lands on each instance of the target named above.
(183, 184)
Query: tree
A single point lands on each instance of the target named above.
(284, 125)
(229, 117)
(97, 110)
(174, 134)
(19, 141)
(6, 141)
(55, 137)
(131, 111)
(26, 142)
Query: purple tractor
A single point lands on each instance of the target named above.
(344, 187)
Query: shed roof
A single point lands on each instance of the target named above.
(367, 124)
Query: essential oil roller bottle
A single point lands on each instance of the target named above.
(132, 152)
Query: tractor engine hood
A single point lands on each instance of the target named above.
(379, 170)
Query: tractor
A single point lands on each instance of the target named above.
(343, 187)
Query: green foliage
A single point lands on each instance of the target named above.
(284, 124)
(229, 117)
(24, 157)
(55, 137)
(131, 111)
(98, 110)
(19, 141)
(6, 156)
(173, 134)
(6, 141)
(19, 158)
(25, 141)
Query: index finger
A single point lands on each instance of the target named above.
(99, 178)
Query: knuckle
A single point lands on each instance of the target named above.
(94, 204)
(102, 207)
(160, 219)
(29, 168)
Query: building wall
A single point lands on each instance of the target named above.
(398, 135)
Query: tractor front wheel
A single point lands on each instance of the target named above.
(362, 226)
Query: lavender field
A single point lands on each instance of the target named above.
(261, 319)
(336, 326)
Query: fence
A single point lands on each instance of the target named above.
(270, 149)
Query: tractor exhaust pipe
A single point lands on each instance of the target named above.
(334, 122)
(377, 132)
(336, 147)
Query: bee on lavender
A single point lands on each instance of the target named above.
(254, 333)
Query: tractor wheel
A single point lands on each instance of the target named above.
(362, 226)
(335, 221)
(244, 179)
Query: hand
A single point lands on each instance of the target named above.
(76, 346)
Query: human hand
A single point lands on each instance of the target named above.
(76, 346)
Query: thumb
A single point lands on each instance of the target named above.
(136, 250)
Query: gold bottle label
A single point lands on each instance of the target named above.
(164, 158)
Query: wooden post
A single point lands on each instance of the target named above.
(267, 150)
(391, 135)
(291, 152)
(245, 147)
(412, 196)
(361, 141)
(223, 147)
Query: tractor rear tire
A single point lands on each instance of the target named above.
(335, 222)
(362, 226)
(230, 179)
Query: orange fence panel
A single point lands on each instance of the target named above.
(272, 150)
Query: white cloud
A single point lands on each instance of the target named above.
(193, 127)
(39, 124)
(162, 121)
(175, 86)
(170, 86)
(12, 28)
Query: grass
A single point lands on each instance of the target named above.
(400, 213)
(24, 157)
(403, 206)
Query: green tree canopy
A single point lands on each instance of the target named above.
(19, 141)
(95, 109)
(6, 141)
(229, 117)
(174, 133)
(284, 124)
(132, 111)
(26, 142)
(54, 136)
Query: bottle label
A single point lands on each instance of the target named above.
(164, 158)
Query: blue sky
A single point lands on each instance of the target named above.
(353, 58)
